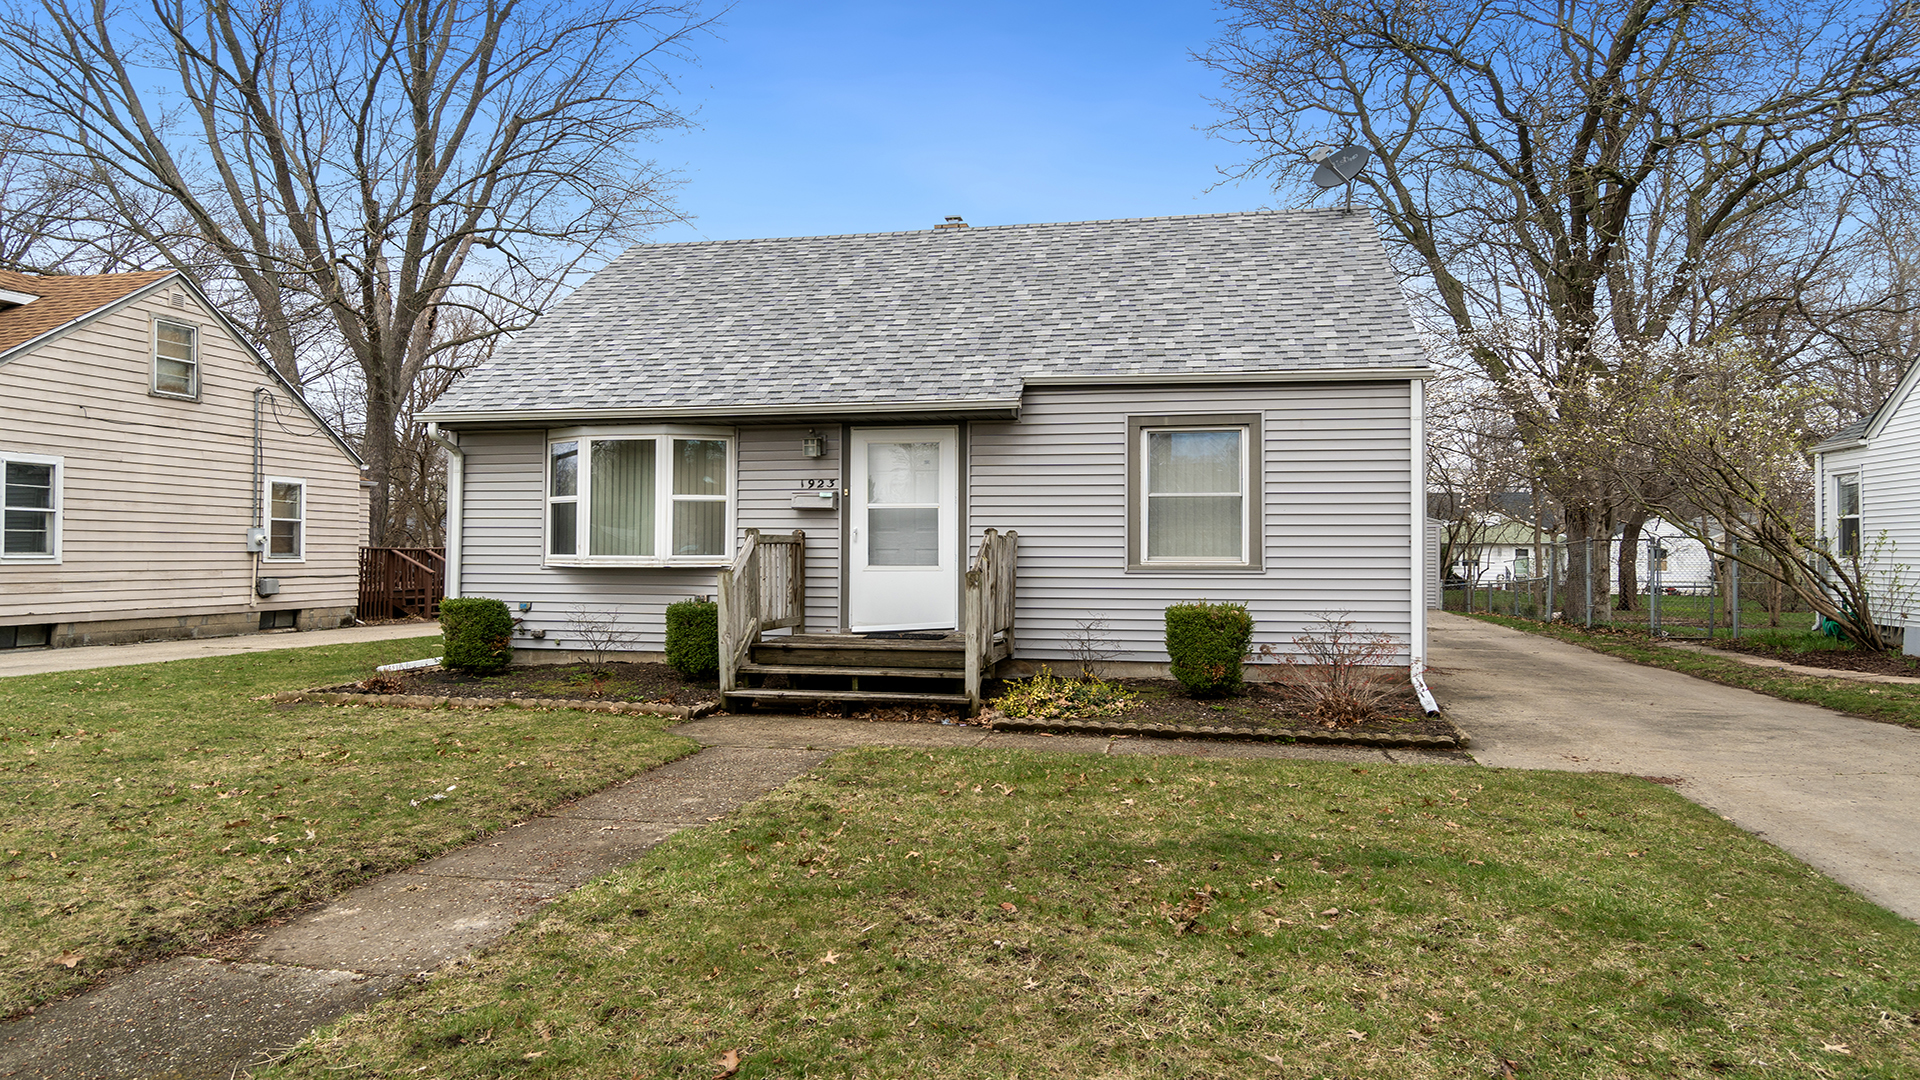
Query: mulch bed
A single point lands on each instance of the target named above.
(1161, 705)
(1862, 660)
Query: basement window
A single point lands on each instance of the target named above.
(26, 637)
(279, 620)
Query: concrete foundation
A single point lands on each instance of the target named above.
(187, 627)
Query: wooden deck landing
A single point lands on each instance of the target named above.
(855, 668)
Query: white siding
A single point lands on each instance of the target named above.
(158, 492)
(1338, 513)
(1889, 470)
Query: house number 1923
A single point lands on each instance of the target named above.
(813, 484)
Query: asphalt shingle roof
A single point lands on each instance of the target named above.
(60, 300)
(952, 317)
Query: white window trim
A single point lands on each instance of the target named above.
(1253, 501)
(58, 524)
(663, 495)
(153, 363)
(267, 519)
(1858, 516)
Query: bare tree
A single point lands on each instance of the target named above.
(1567, 184)
(1725, 431)
(365, 171)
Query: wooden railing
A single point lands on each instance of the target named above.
(765, 589)
(988, 608)
(396, 583)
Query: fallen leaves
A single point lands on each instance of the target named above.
(69, 959)
(729, 1064)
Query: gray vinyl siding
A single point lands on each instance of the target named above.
(505, 492)
(1336, 471)
(158, 493)
(1337, 521)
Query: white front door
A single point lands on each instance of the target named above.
(903, 539)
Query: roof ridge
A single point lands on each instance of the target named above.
(930, 230)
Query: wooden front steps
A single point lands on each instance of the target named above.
(853, 668)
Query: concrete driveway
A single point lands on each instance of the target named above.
(1840, 793)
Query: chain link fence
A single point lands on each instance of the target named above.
(1672, 586)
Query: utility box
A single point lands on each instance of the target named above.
(256, 539)
(816, 500)
(267, 586)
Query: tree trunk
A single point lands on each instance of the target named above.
(1586, 565)
(1629, 599)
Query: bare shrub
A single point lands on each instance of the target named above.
(1092, 643)
(1338, 671)
(600, 635)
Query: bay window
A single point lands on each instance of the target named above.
(1195, 493)
(641, 498)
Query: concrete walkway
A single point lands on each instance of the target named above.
(1836, 791)
(212, 1017)
(80, 658)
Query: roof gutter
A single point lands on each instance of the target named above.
(456, 503)
(1001, 409)
(1193, 378)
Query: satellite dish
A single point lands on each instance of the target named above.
(1341, 167)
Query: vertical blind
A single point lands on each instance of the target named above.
(1196, 499)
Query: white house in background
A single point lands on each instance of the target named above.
(1867, 501)
(161, 479)
(1683, 563)
(1223, 407)
(1502, 549)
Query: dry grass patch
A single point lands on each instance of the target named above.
(969, 914)
(148, 808)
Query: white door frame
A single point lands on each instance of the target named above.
(903, 597)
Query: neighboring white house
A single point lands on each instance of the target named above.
(1867, 502)
(1224, 407)
(1681, 562)
(1500, 549)
(161, 479)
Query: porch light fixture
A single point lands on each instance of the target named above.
(813, 445)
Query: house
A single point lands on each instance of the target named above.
(1670, 557)
(1038, 432)
(162, 480)
(1498, 549)
(1866, 480)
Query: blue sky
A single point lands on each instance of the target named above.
(836, 117)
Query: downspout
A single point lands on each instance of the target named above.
(1417, 638)
(258, 547)
(456, 504)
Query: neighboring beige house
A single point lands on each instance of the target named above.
(161, 479)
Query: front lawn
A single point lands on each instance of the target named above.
(1892, 703)
(970, 913)
(150, 808)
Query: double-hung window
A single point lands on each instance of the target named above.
(286, 522)
(176, 360)
(1846, 514)
(1196, 494)
(29, 508)
(640, 497)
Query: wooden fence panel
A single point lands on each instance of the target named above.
(399, 583)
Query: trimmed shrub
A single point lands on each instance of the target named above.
(1207, 643)
(693, 638)
(478, 632)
